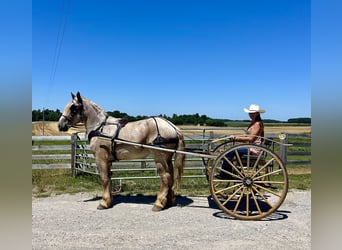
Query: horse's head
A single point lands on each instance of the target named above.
(72, 113)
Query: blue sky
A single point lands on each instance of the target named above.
(174, 57)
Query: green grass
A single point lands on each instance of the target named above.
(49, 152)
(47, 182)
(300, 181)
(50, 143)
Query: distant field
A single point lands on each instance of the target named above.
(50, 128)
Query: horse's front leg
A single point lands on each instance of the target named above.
(104, 167)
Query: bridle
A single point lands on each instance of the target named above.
(78, 109)
(67, 118)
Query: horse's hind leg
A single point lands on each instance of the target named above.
(171, 191)
(161, 200)
(165, 195)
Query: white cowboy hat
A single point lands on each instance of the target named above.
(254, 108)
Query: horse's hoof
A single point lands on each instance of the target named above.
(100, 207)
(156, 208)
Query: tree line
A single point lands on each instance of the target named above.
(193, 119)
(46, 115)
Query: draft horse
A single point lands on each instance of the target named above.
(102, 129)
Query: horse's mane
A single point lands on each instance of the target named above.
(97, 108)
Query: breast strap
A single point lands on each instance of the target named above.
(98, 133)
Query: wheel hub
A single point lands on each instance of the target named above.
(247, 181)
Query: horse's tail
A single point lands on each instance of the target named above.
(179, 160)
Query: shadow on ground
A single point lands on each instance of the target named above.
(276, 215)
(183, 201)
(142, 199)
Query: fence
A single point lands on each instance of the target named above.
(50, 152)
(73, 152)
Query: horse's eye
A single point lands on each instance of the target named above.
(73, 109)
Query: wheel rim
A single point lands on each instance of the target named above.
(253, 187)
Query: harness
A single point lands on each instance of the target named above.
(98, 132)
(158, 141)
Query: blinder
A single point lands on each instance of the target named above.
(74, 109)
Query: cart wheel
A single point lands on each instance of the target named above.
(251, 186)
(215, 149)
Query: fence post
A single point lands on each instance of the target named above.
(283, 149)
(73, 141)
(203, 138)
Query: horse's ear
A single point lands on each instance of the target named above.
(72, 95)
(79, 98)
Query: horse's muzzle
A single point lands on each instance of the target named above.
(63, 124)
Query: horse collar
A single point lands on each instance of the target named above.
(96, 131)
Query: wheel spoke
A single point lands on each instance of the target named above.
(255, 201)
(234, 167)
(268, 174)
(270, 182)
(237, 203)
(231, 196)
(238, 158)
(263, 167)
(268, 190)
(227, 188)
(256, 162)
(247, 204)
(263, 197)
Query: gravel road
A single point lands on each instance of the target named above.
(73, 222)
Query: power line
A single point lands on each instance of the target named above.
(60, 37)
(66, 4)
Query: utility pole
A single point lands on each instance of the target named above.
(43, 121)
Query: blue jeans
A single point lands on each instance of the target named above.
(230, 156)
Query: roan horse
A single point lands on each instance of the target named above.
(101, 131)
